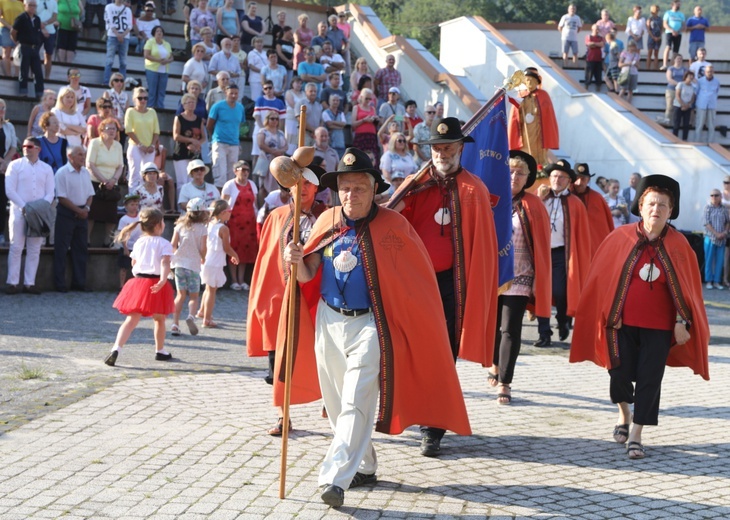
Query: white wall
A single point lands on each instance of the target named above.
(593, 128)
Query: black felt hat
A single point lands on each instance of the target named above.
(447, 130)
(560, 165)
(532, 72)
(354, 160)
(657, 181)
(531, 165)
(582, 168)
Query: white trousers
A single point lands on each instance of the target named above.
(135, 159)
(702, 116)
(18, 240)
(224, 157)
(348, 365)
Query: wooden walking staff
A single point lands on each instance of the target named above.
(509, 83)
(288, 171)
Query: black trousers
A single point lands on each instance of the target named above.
(445, 280)
(643, 354)
(560, 293)
(30, 59)
(594, 70)
(680, 118)
(71, 232)
(510, 312)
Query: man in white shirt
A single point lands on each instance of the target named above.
(224, 59)
(630, 193)
(26, 180)
(569, 27)
(118, 19)
(74, 191)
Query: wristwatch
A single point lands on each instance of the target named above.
(682, 321)
(87, 208)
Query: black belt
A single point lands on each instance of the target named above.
(146, 275)
(348, 312)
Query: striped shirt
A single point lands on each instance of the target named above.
(717, 217)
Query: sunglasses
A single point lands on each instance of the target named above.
(724, 182)
(74, 75)
(145, 98)
(714, 194)
(273, 119)
(430, 111)
(106, 106)
(400, 141)
(267, 88)
(29, 146)
(117, 80)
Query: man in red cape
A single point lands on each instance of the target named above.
(374, 334)
(450, 209)
(533, 127)
(269, 280)
(619, 304)
(570, 248)
(599, 214)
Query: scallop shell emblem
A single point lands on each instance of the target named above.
(348, 159)
(442, 129)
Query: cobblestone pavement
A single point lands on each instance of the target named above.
(187, 439)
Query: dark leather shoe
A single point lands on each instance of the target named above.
(31, 289)
(361, 479)
(563, 333)
(544, 341)
(430, 446)
(12, 289)
(333, 496)
(112, 358)
(159, 356)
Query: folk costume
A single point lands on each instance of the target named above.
(531, 286)
(629, 274)
(378, 350)
(268, 282)
(533, 127)
(599, 214)
(453, 216)
(570, 254)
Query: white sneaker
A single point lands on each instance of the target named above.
(719, 287)
(709, 286)
(245, 286)
(235, 287)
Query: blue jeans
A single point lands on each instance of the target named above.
(114, 47)
(714, 259)
(156, 86)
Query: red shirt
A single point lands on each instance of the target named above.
(649, 305)
(594, 53)
(420, 210)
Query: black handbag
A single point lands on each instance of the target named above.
(112, 195)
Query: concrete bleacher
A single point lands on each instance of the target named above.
(90, 60)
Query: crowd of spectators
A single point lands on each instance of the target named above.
(116, 137)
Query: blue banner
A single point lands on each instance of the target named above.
(488, 158)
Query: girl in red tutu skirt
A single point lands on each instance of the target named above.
(148, 293)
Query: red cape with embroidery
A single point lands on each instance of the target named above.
(476, 269)
(548, 122)
(602, 299)
(418, 380)
(538, 229)
(599, 216)
(266, 298)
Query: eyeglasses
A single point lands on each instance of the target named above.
(267, 88)
(714, 194)
(518, 173)
(368, 98)
(724, 182)
(560, 177)
(106, 106)
(400, 140)
(143, 98)
(117, 80)
(430, 111)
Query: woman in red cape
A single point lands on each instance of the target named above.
(642, 308)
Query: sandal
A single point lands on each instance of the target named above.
(278, 428)
(210, 325)
(636, 450)
(492, 379)
(503, 398)
(175, 330)
(621, 433)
